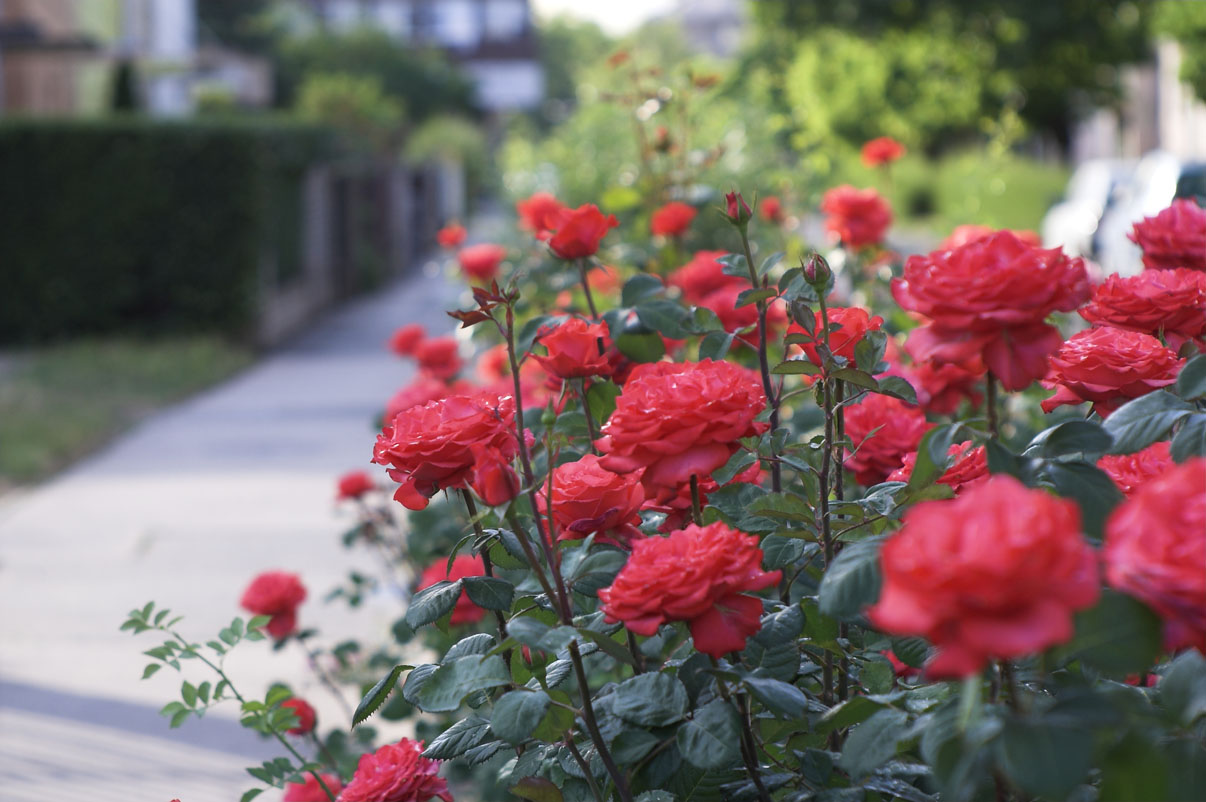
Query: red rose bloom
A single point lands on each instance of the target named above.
(579, 232)
(306, 716)
(771, 210)
(573, 348)
(1176, 237)
(1168, 302)
(702, 276)
(679, 419)
(736, 207)
(970, 467)
(995, 573)
(856, 217)
(494, 479)
(971, 232)
(430, 448)
(900, 428)
(439, 357)
(422, 390)
(451, 236)
(539, 214)
(988, 299)
(672, 220)
(396, 773)
(853, 324)
(735, 318)
(1109, 367)
(676, 506)
(882, 150)
(480, 262)
(405, 340)
(1155, 550)
(310, 790)
(354, 484)
(699, 575)
(276, 594)
(465, 611)
(1132, 471)
(589, 499)
(941, 388)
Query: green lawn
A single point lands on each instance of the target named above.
(60, 402)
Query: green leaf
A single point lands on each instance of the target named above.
(754, 295)
(873, 742)
(910, 651)
(1134, 769)
(641, 347)
(452, 681)
(377, 694)
(651, 700)
(740, 461)
(1141, 422)
(770, 261)
(931, 454)
(531, 328)
(537, 789)
(1182, 690)
(1071, 437)
(1191, 382)
(780, 552)
(489, 592)
(458, 739)
(632, 745)
(856, 377)
(640, 287)
(415, 681)
(711, 738)
(1117, 636)
(479, 643)
(433, 603)
(250, 795)
(846, 714)
(189, 694)
(852, 580)
(715, 345)
(601, 398)
(897, 387)
(1190, 439)
(151, 669)
(785, 506)
(1045, 760)
(665, 316)
(782, 698)
(1090, 487)
(517, 713)
(796, 367)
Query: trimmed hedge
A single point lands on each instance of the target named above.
(141, 226)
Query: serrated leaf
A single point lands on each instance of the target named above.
(651, 700)
(1191, 381)
(796, 367)
(666, 317)
(1070, 437)
(517, 713)
(1046, 760)
(898, 387)
(640, 287)
(378, 694)
(873, 742)
(932, 460)
(641, 347)
(1190, 439)
(711, 738)
(631, 745)
(1117, 636)
(433, 603)
(852, 580)
(779, 697)
(754, 295)
(1141, 422)
(452, 681)
(458, 739)
(715, 345)
(489, 592)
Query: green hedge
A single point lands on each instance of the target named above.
(140, 226)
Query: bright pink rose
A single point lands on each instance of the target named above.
(480, 262)
(995, 573)
(883, 429)
(430, 448)
(672, 220)
(1109, 367)
(969, 469)
(882, 150)
(405, 340)
(439, 357)
(276, 594)
(579, 232)
(465, 565)
(306, 717)
(853, 324)
(988, 300)
(451, 236)
(1132, 471)
(1171, 303)
(856, 217)
(573, 349)
(681, 419)
(1176, 237)
(539, 214)
(702, 276)
(354, 484)
(700, 575)
(396, 773)
(588, 499)
(1155, 550)
(310, 790)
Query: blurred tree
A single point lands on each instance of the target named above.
(455, 139)
(239, 24)
(567, 47)
(1186, 23)
(354, 104)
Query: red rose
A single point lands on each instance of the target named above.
(970, 467)
(574, 351)
(421, 391)
(988, 299)
(852, 324)
(736, 207)
(700, 575)
(494, 480)
(941, 388)
(702, 276)
(306, 716)
(539, 214)
(480, 262)
(676, 506)
(580, 230)
(354, 484)
(1132, 471)
(430, 448)
(995, 573)
(679, 419)
(439, 357)
(882, 150)
(771, 209)
(1155, 550)
(588, 499)
(971, 232)
(465, 611)
(1109, 367)
(883, 429)
(451, 236)
(276, 594)
(1168, 302)
(310, 790)
(735, 318)
(396, 773)
(856, 217)
(493, 364)
(672, 220)
(405, 340)
(1176, 237)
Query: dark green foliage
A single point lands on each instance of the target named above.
(144, 226)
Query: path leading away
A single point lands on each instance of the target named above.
(185, 510)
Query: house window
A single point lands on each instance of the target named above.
(506, 19)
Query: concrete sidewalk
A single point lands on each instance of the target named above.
(185, 510)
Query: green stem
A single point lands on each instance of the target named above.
(772, 399)
(592, 726)
(749, 751)
(487, 567)
(582, 764)
(590, 299)
(990, 400)
(696, 506)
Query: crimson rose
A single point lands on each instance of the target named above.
(1168, 302)
(539, 214)
(310, 790)
(856, 217)
(579, 232)
(439, 357)
(969, 469)
(588, 499)
(672, 220)
(852, 324)
(405, 340)
(1176, 237)
(882, 150)
(574, 351)
(480, 262)
(1109, 367)
(306, 716)
(1132, 471)
(396, 773)
(883, 429)
(276, 594)
(354, 484)
(451, 236)
(702, 276)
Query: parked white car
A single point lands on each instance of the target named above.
(1094, 186)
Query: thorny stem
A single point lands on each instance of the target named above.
(839, 492)
(582, 764)
(487, 566)
(772, 399)
(531, 556)
(749, 751)
(638, 659)
(826, 463)
(590, 298)
(285, 743)
(592, 726)
(990, 400)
